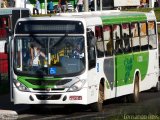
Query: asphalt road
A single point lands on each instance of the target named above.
(147, 108)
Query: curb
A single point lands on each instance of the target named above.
(8, 115)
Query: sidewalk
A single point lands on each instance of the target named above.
(8, 110)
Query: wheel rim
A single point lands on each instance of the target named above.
(136, 90)
(100, 97)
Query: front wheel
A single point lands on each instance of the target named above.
(98, 106)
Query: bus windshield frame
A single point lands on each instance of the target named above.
(60, 56)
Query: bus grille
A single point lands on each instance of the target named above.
(44, 89)
(48, 82)
(48, 97)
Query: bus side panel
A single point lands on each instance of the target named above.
(153, 71)
(126, 65)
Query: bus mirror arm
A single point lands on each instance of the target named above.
(6, 47)
(92, 42)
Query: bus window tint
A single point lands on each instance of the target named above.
(126, 37)
(108, 40)
(152, 35)
(135, 37)
(99, 39)
(143, 36)
(118, 44)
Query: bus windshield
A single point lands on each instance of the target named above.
(53, 55)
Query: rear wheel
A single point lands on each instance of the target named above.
(98, 106)
(157, 88)
(135, 96)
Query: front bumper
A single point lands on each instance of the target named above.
(79, 97)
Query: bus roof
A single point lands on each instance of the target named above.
(102, 17)
(114, 16)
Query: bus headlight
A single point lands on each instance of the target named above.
(77, 86)
(20, 86)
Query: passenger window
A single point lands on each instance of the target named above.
(135, 43)
(108, 40)
(99, 39)
(118, 43)
(143, 36)
(126, 38)
(143, 29)
(151, 28)
(134, 30)
(152, 35)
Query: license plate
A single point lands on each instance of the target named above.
(75, 98)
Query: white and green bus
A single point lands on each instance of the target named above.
(118, 55)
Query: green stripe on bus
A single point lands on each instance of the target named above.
(123, 18)
(126, 65)
(28, 82)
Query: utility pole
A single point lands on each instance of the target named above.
(86, 5)
(0, 3)
(45, 6)
(101, 5)
(25, 1)
(95, 5)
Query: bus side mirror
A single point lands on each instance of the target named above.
(6, 48)
(9, 31)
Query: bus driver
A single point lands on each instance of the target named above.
(35, 52)
(77, 52)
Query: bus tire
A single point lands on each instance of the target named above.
(135, 96)
(98, 106)
(157, 88)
